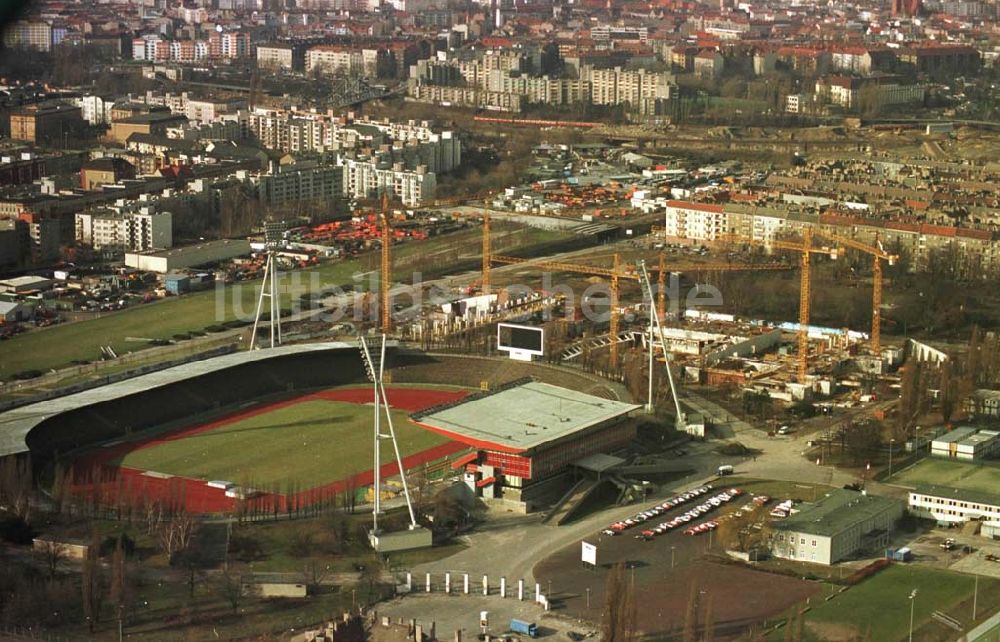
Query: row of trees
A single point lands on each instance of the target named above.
(951, 382)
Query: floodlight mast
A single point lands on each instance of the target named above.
(375, 371)
(273, 242)
(655, 323)
(395, 443)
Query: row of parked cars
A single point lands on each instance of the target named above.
(708, 505)
(712, 524)
(784, 509)
(657, 510)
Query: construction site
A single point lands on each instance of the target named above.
(596, 313)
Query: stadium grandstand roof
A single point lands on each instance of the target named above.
(17, 423)
(522, 417)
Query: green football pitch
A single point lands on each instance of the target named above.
(308, 444)
(951, 473)
(882, 603)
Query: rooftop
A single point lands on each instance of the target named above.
(23, 282)
(153, 117)
(17, 423)
(959, 494)
(835, 513)
(956, 435)
(240, 244)
(522, 417)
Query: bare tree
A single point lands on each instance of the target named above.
(314, 574)
(91, 583)
(118, 591)
(16, 486)
(909, 402)
(709, 634)
(618, 618)
(175, 532)
(229, 585)
(52, 553)
(948, 388)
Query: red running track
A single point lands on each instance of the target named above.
(95, 478)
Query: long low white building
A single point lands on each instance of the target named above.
(946, 504)
(967, 443)
(188, 256)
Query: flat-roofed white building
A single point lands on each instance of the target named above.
(370, 178)
(836, 527)
(966, 442)
(188, 256)
(946, 504)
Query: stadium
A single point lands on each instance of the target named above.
(288, 425)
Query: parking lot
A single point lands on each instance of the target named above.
(668, 570)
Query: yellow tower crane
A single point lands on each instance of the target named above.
(878, 255)
(386, 275)
(616, 272)
(487, 252)
(807, 249)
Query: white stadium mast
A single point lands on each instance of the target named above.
(374, 366)
(273, 242)
(654, 325)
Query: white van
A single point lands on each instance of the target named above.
(725, 470)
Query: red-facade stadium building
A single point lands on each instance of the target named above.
(526, 433)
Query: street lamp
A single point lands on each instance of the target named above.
(913, 601)
(891, 443)
(671, 558)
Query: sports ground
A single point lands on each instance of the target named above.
(308, 446)
(952, 474)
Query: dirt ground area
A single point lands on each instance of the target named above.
(739, 596)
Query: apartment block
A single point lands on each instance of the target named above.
(297, 183)
(368, 62)
(127, 232)
(45, 123)
(698, 221)
(616, 86)
(371, 177)
(28, 34)
(275, 56)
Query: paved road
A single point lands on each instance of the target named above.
(511, 545)
(781, 456)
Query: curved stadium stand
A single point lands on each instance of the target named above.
(176, 394)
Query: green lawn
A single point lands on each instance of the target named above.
(883, 603)
(945, 472)
(309, 444)
(58, 345)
